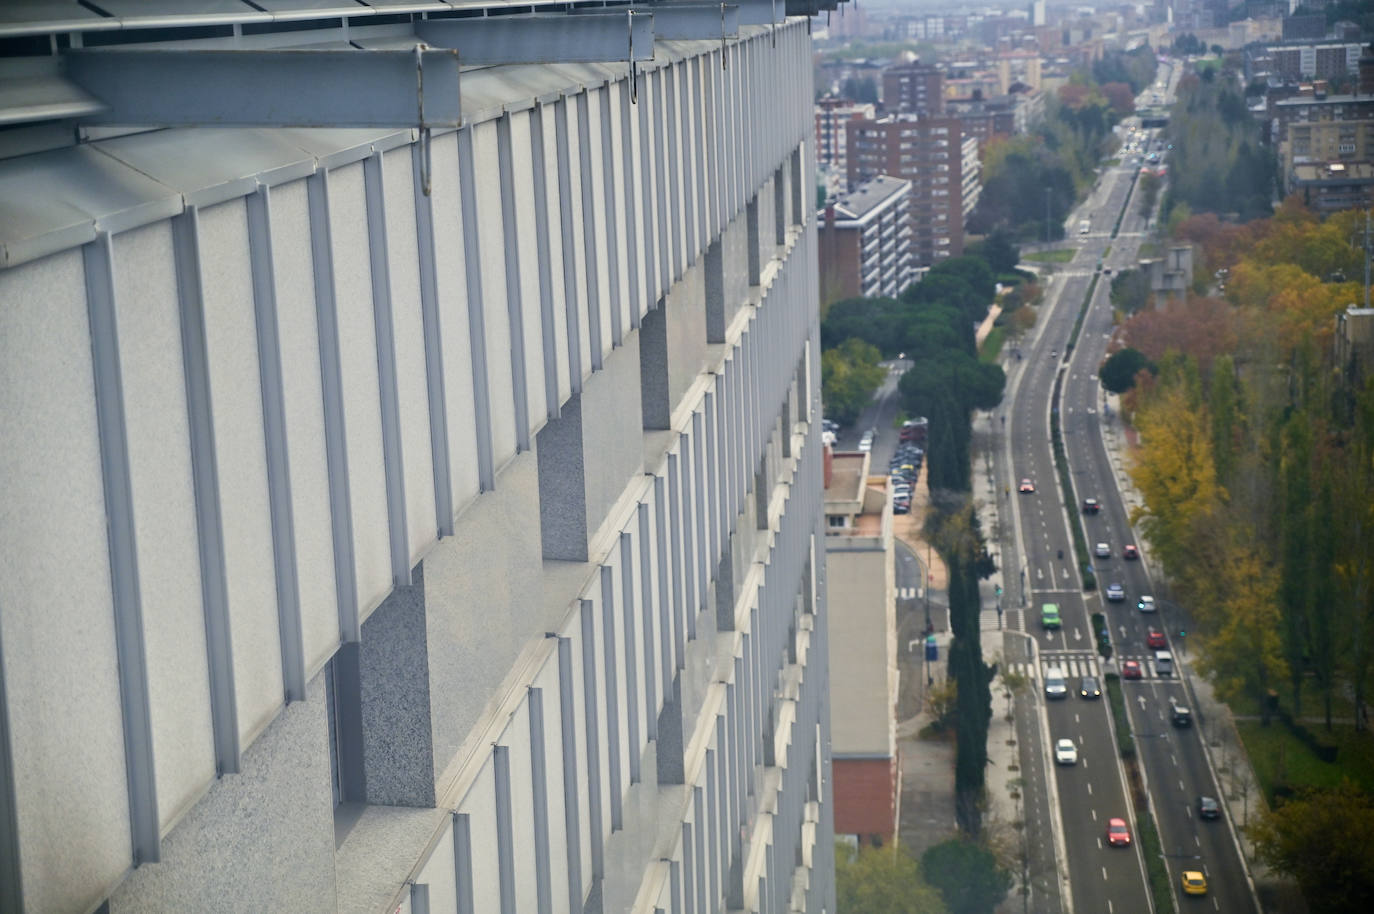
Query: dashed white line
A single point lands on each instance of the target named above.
(1104, 874)
(1090, 788)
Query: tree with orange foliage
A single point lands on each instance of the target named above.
(1200, 328)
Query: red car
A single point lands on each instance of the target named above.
(1130, 552)
(1118, 835)
(1155, 640)
(1130, 669)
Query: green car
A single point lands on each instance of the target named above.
(1049, 615)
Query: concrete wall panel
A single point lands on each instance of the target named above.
(164, 516)
(302, 393)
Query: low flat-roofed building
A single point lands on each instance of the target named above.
(860, 586)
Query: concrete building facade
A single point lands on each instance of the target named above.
(420, 518)
(865, 242)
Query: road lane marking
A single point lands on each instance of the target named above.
(1090, 788)
(1104, 874)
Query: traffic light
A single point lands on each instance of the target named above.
(1182, 633)
(999, 590)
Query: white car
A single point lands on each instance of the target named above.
(1145, 604)
(1065, 752)
(1102, 551)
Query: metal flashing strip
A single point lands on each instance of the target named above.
(694, 21)
(627, 600)
(274, 434)
(11, 871)
(565, 208)
(591, 721)
(591, 36)
(462, 862)
(392, 459)
(486, 472)
(135, 704)
(205, 481)
(591, 258)
(567, 715)
(434, 351)
(331, 391)
(539, 779)
(612, 663)
(505, 829)
(547, 320)
(329, 88)
(519, 380)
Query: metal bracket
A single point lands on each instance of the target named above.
(271, 88)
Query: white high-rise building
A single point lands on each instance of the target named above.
(412, 463)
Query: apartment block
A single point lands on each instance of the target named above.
(930, 153)
(832, 116)
(913, 88)
(1333, 186)
(865, 242)
(1311, 107)
(413, 484)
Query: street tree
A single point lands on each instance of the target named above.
(881, 880)
(967, 876)
(1119, 370)
(1325, 840)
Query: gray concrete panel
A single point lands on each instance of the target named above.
(234, 850)
(398, 755)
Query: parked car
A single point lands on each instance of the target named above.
(1194, 883)
(1090, 506)
(1155, 640)
(1118, 835)
(1102, 551)
(1130, 669)
(1208, 808)
(1026, 487)
(1115, 593)
(1065, 752)
(1088, 687)
(1145, 604)
(1129, 551)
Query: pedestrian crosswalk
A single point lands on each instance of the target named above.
(1079, 664)
(910, 593)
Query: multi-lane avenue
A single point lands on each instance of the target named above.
(1040, 565)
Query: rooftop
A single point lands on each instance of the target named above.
(869, 197)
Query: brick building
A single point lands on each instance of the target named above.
(929, 152)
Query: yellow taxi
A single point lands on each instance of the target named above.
(1194, 883)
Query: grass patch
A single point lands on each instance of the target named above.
(1281, 760)
(1054, 255)
(1153, 853)
(992, 344)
